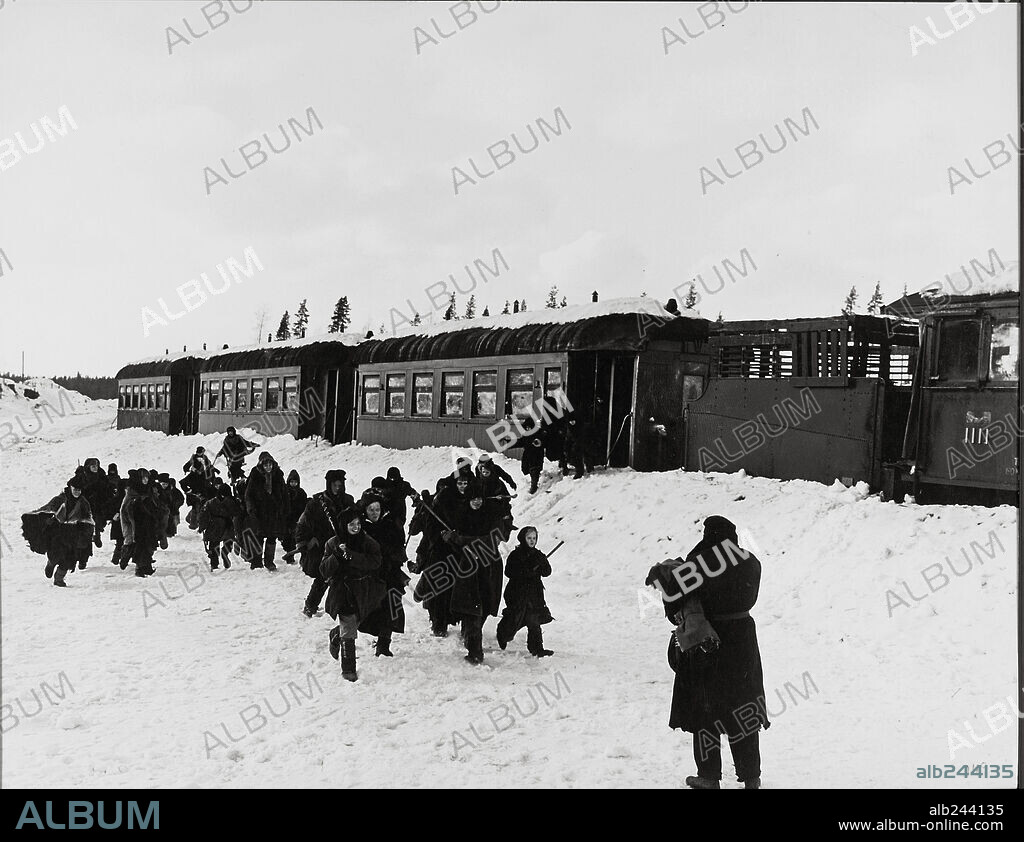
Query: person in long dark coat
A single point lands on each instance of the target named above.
(149, 522)
(266, 508)
(493, 488)
(398, 489)
(216, 520)
(389, 617)
(351, 567)
(431, 553)
(717, 690)
(98, 492)
(62, 530)
(175, 500)
(577, 445)
(120, 485)
(297, 500)
(524, 594)
(317, 524)
(476, 593)
(532, 460)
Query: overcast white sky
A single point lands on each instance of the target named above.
(104, 221)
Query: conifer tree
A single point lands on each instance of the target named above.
(522, 306)
(564, 302)
(486, 311)
(471, 307)
(552, 302)
(515, 307)
(850, 303)
(450, 314)
(342, 317)
(301, 320)
(283, 331)
(691, 297)
(875, 302)
(506, 311)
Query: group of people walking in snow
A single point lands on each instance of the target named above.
(355, 550)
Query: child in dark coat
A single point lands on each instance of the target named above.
(216, 520)
(524, 594)
(297, 499)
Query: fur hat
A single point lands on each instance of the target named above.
(293, 475)
(334, 475)
(348, 515)
(484, 458)
(394, 473)
(230, 431)
(112, 468)
(76, 482)
(718, 528)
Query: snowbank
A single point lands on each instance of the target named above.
(886, 631)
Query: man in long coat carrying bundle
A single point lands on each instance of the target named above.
(719, 685)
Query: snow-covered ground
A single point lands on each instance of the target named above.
(121, 682)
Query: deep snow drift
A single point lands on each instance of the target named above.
(196, 679)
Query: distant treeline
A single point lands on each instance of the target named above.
(97, 388)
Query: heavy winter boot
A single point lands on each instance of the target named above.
(535, 643)
(50, 565)
(695, 782)
(754, 783)
(97, 540)
(383, 646)
(58, 577)
(348, 660)
(333, 639)
(82, 564)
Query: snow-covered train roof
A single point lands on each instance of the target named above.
(1004, 280)
(631, 306)
(624, 324)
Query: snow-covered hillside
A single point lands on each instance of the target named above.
(217, 680)
(28, 410)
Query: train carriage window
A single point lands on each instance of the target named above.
(291, 393)
(241, 395)
(166, 390)
(214, 394)
(552, 380)
(135, 397)
(957, 357)
(123, 397)
(229, 396)
(453, 387)
(1004, 358)
(257, 394)
(150, 402)
(273, 393)
(204, 401)
(693, 386)
(395, 395)
(371, 394)
(519, 391)
(485, 394)
(422, 394)
(158, 393)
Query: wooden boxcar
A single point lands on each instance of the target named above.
(963, 433)
(469, 384)
(815, 399)
(160, 394)
(300, 387)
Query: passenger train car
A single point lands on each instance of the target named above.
(894, 402)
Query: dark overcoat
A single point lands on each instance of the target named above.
(721, 692)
